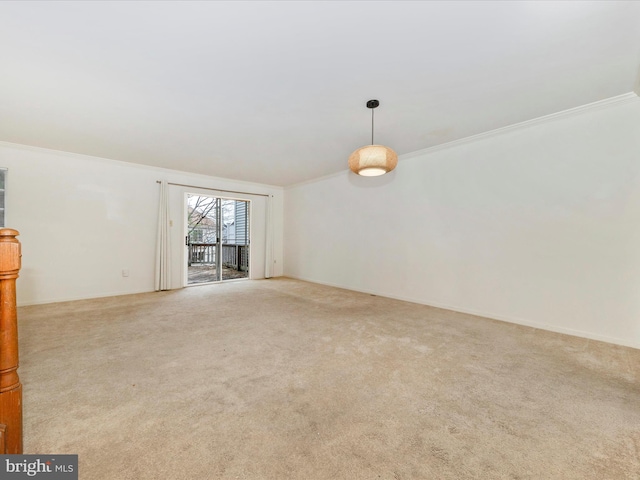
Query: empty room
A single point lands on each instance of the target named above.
(320, 239)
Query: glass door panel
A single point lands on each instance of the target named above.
(235, 239)
(202, 239)
(217, 239)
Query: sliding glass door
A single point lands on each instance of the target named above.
(217, 240)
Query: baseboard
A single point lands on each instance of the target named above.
(84, 297)
(489, 315)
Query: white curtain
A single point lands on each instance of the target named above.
(163, 244)
(268, 264)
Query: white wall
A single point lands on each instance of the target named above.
(537, 224)
(82, 220)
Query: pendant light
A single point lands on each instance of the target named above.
(373, 160)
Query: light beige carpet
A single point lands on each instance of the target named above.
(282, 379)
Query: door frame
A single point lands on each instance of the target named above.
(185, 224)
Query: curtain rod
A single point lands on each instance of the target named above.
(216, 189)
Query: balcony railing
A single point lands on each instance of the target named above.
(232, 255)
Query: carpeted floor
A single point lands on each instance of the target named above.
(282, 379)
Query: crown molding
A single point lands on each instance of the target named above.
(160, 171)
(630, 97)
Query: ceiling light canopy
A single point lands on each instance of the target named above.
(373, 160)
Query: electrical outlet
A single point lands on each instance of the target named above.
(125, 272)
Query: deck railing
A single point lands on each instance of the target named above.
(233, 256)
(202, 253)
(236, 257)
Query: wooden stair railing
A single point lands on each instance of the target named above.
(10, 387)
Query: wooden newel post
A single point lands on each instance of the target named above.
(10, 387)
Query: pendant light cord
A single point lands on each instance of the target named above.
(372, 110)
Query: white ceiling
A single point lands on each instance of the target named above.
(275, 92)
